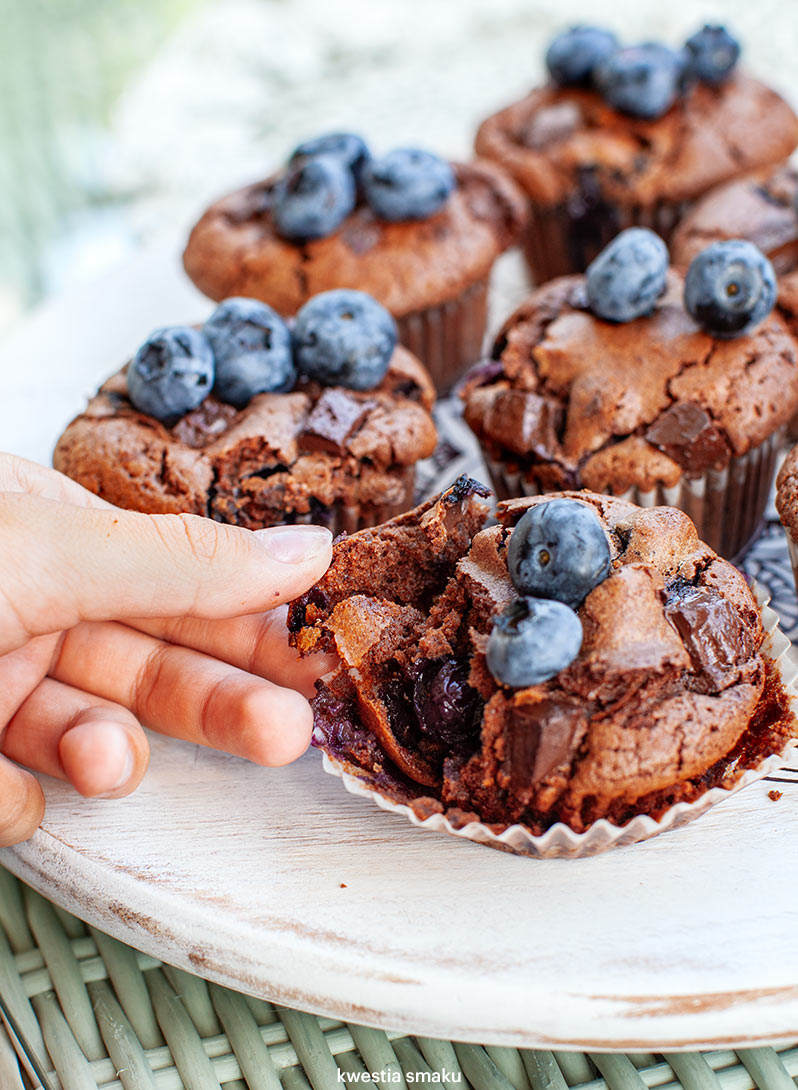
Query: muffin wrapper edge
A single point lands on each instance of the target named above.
(792, 549)
(556, 244)
(727, 505)
(448, 338)
(560, 841)
(342, 517)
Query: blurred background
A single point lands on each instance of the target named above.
(120, 119)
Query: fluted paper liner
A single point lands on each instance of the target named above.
(726, 505)
(340, 517)
(552, 246)
(560, 841)
(447, 338)
(792, 549)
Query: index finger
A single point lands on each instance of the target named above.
(21, 475)
(256, 642)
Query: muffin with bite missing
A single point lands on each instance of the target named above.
(251, 422)
(584, 659)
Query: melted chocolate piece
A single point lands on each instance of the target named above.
(551, 124)
(541, 735)
(686, 434)
(524, 423)
(713, 632)
(205, 423)
(335, 418)
(462, 489)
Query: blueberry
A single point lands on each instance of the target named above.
(712, 54)
(344, 338)
(559, 550)
(313, 199)
(407, 184)
(252, 347)
(730, 288)
(628, 276)
(641, 80)
(348, 147)
(446, 705)
(574, 54)
(531, 641)
(172, 373)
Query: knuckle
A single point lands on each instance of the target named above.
(262, 648)
(147, 684)
(203, 537)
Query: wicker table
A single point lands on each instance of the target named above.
(102, 1017)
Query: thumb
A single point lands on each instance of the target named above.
(61, 564)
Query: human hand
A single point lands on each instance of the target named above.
(110, 619)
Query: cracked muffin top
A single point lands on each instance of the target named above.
(281, 456)
(555, 138)
(762, 207)
(609, 406)
(669, 695)
(787, 493)
(235, 248)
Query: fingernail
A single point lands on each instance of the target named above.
(125, 774)
(294, 544)
(98, 753)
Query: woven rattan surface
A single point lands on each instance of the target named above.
(97, 1014)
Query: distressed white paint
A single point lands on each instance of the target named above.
(279, 883)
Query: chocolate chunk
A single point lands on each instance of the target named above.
(335, 418)
(551, 124)
(713, 632)
(205, 423)
(523, 423)
(541, 734)
(462, 490)
(687, 435)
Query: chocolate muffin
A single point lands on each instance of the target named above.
(670, 695)
(655, 409)
(595, 155)
(787, 505)
(429, 270)
(761, 207)
(304, 450)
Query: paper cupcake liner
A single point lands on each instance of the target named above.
(342, 518)
(448, 338)
(560, 841)
(557, 243)
(727, 505)
(792, 549)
